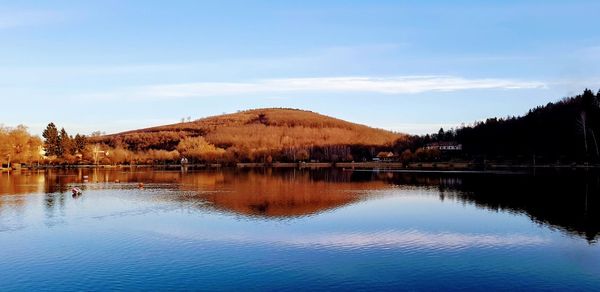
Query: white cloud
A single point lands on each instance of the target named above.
(12, 19)
(380, 85)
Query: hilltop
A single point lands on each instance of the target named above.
(259, 135)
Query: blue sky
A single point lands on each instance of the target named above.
(409, 66)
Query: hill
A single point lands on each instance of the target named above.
(259, 135)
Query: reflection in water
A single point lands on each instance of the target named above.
(281, 194)
(411, 239)
(568, 201)
(138, 229)
(403, 239)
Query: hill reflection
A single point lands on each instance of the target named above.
(568, 201)
(282, 193)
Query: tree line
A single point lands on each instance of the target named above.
(563, 132)
(60, 144)
(567, 131)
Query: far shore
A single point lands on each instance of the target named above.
(415, 166)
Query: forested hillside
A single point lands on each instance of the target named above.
(566, 131)
(261, 135)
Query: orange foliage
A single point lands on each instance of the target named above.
(196, 148)
(17, 145)
(260, 135)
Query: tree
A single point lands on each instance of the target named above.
(197, 148)
(97, 134)
(441, 134)
(79, 143)
(51, 140)
(406, 156)
(5, 146)
(96, 150)
(302, 155)
(66, 143)
(16, 144)
(19, 143)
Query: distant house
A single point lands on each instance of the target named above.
(444, 146)
(385, 156)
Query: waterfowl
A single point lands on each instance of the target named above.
(76, 191)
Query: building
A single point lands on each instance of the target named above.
(385, 156)
(444, 146)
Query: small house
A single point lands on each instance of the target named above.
(444, 146)
(385, 156)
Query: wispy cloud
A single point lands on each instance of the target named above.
(19, 18)
(380, 85)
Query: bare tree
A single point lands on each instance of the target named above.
(582, 121)
(96, 152)
(595, 142)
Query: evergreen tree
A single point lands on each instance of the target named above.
(66, 145)
(566, 131)
(79, 143)
(440, 135)
(51, 140)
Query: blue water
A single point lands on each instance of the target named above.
(300, 230)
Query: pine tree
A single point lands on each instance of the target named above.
(79, 143)
(441, 134)
(66, 146)
(51, 140)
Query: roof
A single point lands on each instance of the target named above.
(384, 154)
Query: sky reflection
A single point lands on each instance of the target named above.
(316, 229)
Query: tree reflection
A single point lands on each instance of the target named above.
(565, 200)
(568, 201)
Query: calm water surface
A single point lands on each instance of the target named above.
(298, 230)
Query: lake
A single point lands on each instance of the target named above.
(267, 229)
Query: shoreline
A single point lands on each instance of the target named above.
(391, 166)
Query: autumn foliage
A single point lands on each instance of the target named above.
(261, 135)
(18, 146)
